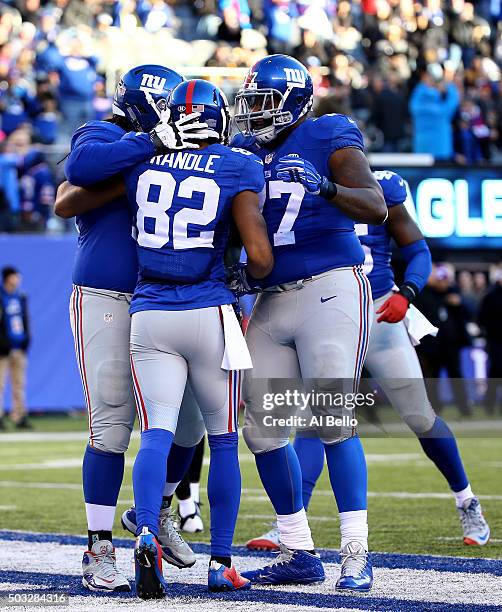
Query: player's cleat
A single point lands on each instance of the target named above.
(267, 541)
(174, 548)
(150, 583)
(476, 529)
(99, 569)
(221, 578)
(290, 567)
(193, 522)
(356, 571)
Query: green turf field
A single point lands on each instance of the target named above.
(40, 491)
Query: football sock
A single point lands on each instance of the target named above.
(186, 507)
(462, 496)
(102, 475)
(196, 465)
(166, 501)
(96, 536)
(310, 452)
(224, 491)
(226, 561)
(295, 531)
(183, 489)
(195, 491)
(440, 446)
(348, 474)
(169, 489)
(354, 527)
(281, 477)
(149, 477)
(178, 463)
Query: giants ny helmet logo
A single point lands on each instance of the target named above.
(295, 77)
(152, 83)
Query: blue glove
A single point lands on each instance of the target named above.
(293, 169)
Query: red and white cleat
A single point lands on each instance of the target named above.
(268, 541)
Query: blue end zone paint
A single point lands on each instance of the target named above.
(72, 586)
(387, 560)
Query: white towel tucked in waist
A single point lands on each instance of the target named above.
(418, 325)
(236, 355)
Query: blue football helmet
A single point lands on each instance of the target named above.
(276, 93)
(142, 94)
(198, 96)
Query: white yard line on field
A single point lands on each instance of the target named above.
(76, 462)
(247, 493)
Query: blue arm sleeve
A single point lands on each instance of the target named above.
(91, 161)
(418, 257)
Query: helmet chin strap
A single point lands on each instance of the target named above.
(151, 102)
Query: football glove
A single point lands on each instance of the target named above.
(293, 169)
(394, 309)
(178, 135)
(239, 282)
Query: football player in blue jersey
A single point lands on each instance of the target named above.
(183, 322)
(104, 277)
(391, 357)
(312, 319)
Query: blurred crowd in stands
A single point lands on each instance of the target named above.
(465, 306)
(419, 76)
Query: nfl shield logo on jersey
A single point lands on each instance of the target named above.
(108, 317)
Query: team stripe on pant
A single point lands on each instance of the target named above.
(364, 322)
(138, 398)
(234, 393)
(77, 314)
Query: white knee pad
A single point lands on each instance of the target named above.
(113, 383)
(337, 440)
(112, 438)
(190, 428)
(189, 434)
(409, 399)
(422, 421)
(258, 444)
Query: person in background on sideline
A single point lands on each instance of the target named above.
(14, 342)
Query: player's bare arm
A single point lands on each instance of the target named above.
(253, 232)
(402, 227)
(357, 192)
(72, 200)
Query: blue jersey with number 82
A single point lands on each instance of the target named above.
(376, 239)
(181, 208)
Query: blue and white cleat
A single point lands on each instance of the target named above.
(174, 548)
(476, 529)
(221, 578)
(99, 569)
(150, 583)
(290, 567)
(356, 572)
